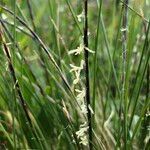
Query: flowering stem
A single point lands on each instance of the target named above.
(87, 84)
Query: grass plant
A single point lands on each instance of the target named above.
(74, 74)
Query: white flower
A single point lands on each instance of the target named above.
(83, 130)
(76, 68)
(123, 29)
(90, 108)
(84, 140)
(81, 94)
(77, 79)
(77, 71)
(84, 109)
(77, 51)
(81, 134)
(80, 16)
(89, 50)
(84, 124)
(80, 50)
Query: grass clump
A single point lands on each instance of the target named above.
(74, 74)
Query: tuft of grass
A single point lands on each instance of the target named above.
(39, 108)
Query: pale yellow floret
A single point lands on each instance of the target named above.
(84, 109)
(81, 94)
(77, 68)
(91, 110)
(80, 16)
(80, 50)
(77, 79)
(81, 134)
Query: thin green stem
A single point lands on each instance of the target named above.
(138, 14)
(31, 15)
(145, 48)
(124, 51)
(95, 57)
(74, 16)
(13, 61)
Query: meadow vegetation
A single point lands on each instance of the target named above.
(74, 74)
